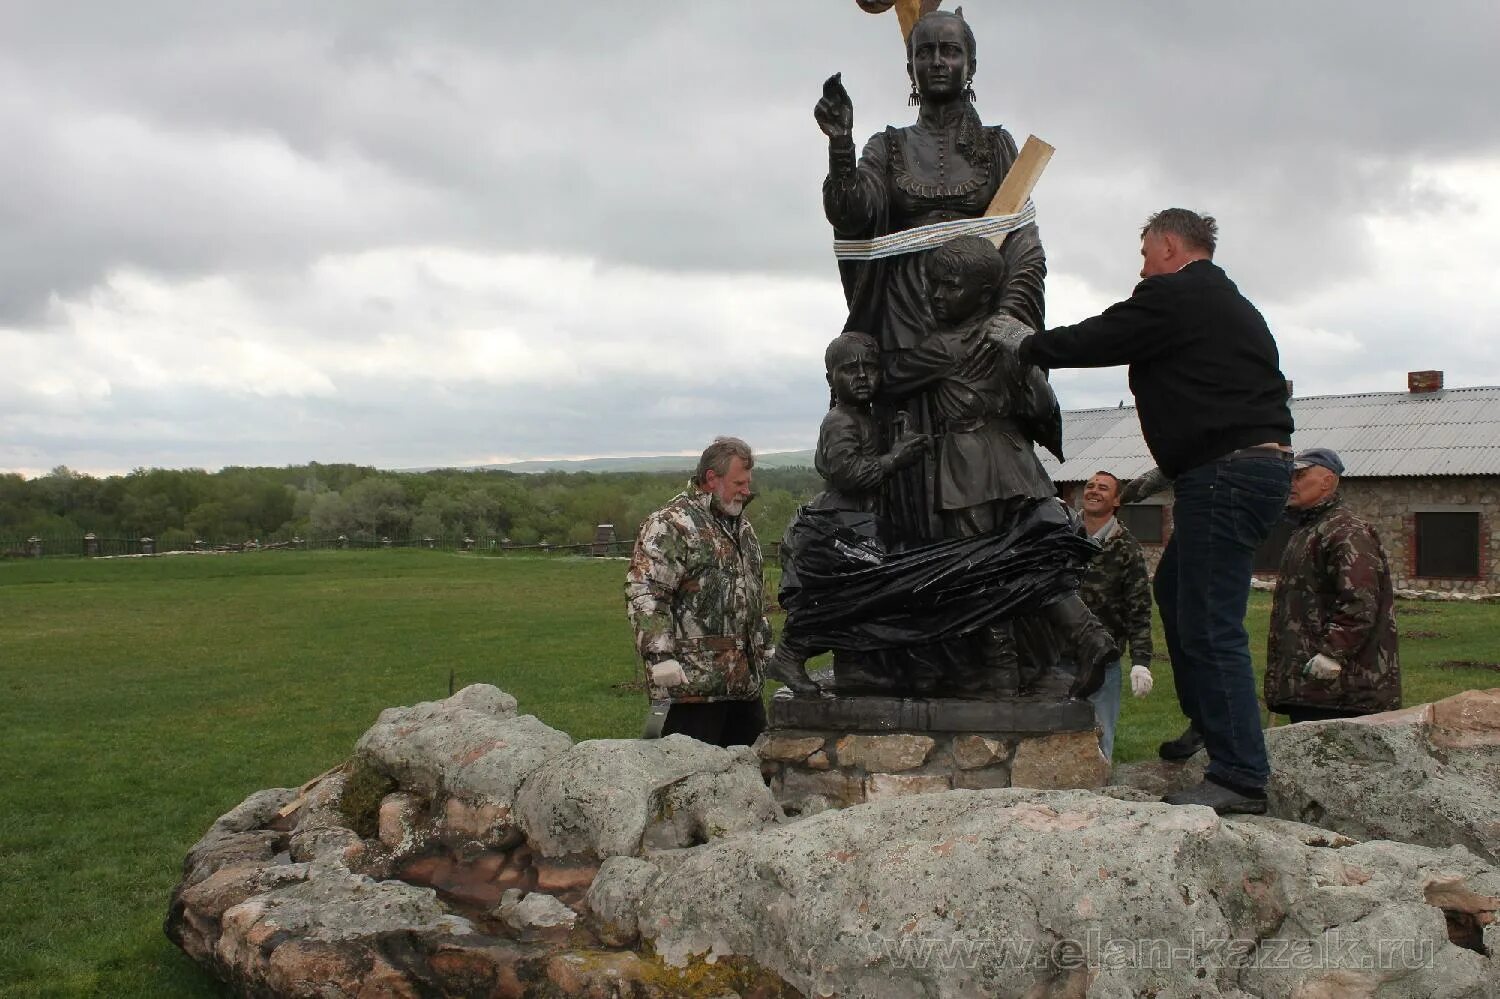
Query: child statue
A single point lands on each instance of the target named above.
(853, 471)
(991, 410)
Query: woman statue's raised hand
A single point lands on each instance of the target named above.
(834, 111)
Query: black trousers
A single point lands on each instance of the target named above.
(718, 723)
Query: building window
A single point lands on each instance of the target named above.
(1143, 520)
(1448, 545)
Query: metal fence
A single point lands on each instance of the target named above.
(102, 546)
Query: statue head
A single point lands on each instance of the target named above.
(964, 278)
(941, 56)
(852, 362)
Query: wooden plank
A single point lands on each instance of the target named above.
(301, 798)
(1021, 179)
(907, 12)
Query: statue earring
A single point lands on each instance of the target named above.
(969, 90)
(916, 97)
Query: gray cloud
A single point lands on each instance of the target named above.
(251, 144)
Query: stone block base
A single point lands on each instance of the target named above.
(814, 769)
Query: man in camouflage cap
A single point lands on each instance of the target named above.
(1117, 588)
(1332, 647)
(695, 594)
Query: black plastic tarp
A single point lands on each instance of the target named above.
(842, 589)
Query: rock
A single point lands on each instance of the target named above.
(796, 789)
(1429, 774)
(878, 786)
(1061, 760)
(884, 753)
(324, 929)
(469, 754)
(986, 779)
(787, 748)
(539, 916)
(971, 752)
(601, 798)
(1021, 892)
(401, 821)
(1159, 777)
(239, 836)
(615, 895)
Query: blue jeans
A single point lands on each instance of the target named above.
(1106, 702)
(1223, 511)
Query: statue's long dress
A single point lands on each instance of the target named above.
(946, 166)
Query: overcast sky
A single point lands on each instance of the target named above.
(409, 235)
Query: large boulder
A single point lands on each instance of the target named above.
(467, 755)
(1428, 774)
(469, 850)
(615, 797)
(1068, 893)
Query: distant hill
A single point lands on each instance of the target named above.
(656, 463)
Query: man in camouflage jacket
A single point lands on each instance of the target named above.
(1117, 588)
(695, 593)
(1332, 647)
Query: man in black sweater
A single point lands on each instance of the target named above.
(1213, 407)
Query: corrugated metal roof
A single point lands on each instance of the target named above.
(1378, 434)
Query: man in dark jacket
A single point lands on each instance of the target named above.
(1213, 408)
(1332, 648)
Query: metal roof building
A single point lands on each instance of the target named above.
(1378, 434)
(1422, 466)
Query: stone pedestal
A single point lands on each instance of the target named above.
(831, 752)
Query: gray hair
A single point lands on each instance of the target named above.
(718, 455)
(1199, 231)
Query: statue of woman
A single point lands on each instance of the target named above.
(946, 166)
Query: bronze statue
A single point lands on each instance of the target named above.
(946, 166)
(978, 514)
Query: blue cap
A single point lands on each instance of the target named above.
(1322, 457)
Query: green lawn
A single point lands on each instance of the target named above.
(142, 698)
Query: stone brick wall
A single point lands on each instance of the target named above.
(1391, 505)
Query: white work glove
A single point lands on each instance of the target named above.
(1140, 681)
(1321, 667)
(667, 673)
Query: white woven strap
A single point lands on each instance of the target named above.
(927, 237)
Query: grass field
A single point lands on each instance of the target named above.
(142, 698)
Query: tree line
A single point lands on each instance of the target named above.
(179, 507)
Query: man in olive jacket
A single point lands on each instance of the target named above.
(1332, 647)
(695, 593)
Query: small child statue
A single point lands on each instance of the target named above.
(853, 471)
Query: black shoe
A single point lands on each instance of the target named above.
(784, 666)
(1224, 800)
(1185, 746)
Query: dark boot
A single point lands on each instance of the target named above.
(1001, 661)
(1093, 647)
(788, 665)
(1183, 747)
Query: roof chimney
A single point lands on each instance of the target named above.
(1424, 381)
